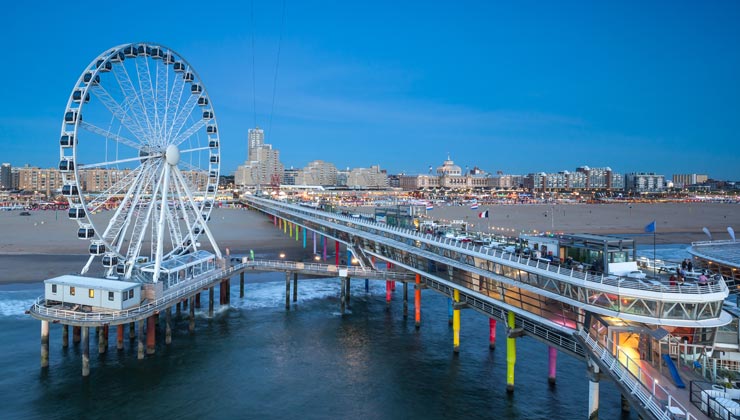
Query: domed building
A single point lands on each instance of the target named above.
(449, 168)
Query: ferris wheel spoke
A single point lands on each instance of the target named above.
(108, 135)
(147, 96)
(189, 132)
(116, 162)
(133, 99)
(189, 195)
(197, 149)
(173, 102)
(141, 223)
(134, 210)
(182, 116)
(119, 112)
(184, 207)
(174, 227)
(119, 216)
(161, 95)
(95, 204)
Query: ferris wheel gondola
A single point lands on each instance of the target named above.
(141, 169)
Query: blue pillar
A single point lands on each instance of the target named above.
(304, 238)
(349, 258)
(367, 285)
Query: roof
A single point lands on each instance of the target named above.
(92, 283)
(723, 252)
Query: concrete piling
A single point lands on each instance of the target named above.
(65, 336)
(101, 342)
(76, 334)
(287, 290)
(210, 302)
(405, 300)
(593, 391)
(241, 284)
(191, 322)
(85, 351)
(342, 295)
(44, 344)
(140, 341)
(177, 309)
(347, 289)
(168, 326)
(131, 331)
(295, 287)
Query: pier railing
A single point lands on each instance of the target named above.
(126, 315)
(641, 384)
(716, 285)
(328, 269)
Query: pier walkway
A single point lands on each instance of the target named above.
(547, 302)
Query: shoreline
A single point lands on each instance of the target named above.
(44, 245)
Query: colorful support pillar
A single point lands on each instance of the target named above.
(85, 351)
(336, 252)
(297, 228)
(119, 337)
(241, 284)
(387, 294)
(44, 344)
(405, 300)
(295, 287)
(131, 331)
(593, 391)
(491, 333)
(140, 341)
(274, 220)
(290, 229)
(285, 226)
(304, 238)
(191, 321)
(323, 243)
(367, 285)
(210, 302)
(456, 323)
(65, 336)
(287, 290)
(417, 301)
(449, 311)
(510, 354)
(552, 358)
(76, 335)
(314, 242)
(151, 335)
(168, 325)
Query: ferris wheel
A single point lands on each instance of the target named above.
(140, 158)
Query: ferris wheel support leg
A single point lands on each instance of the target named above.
(87, 266)
(189, 194)
(160, 224)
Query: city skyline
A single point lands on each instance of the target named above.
(636, 88)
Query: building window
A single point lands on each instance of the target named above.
(131, 294)
(110, 296)
(54, 289)
(72, 291)
(91, 293)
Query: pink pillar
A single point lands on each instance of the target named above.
(388, 293)
(314, 243)
(491, 333)
(274, 220)
(553, 359)
(336, 252)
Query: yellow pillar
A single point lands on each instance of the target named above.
(510, 355)
(285, 226)
(296, 232)
(456, 322)
(290, 229)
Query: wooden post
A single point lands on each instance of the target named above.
(119, 337)
(210, 302)
(295, 287)
(168, 325)
(151, 335)
(241, 284)
(65, 336)
(76, 335)
(191, 322)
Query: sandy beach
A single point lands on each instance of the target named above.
(45, 244)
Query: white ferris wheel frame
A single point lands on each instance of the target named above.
(155, 115)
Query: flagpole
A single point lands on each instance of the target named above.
(654, 231)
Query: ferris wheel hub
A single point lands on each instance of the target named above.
(172, 155)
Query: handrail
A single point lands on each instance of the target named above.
(625, 373)
(599, 278)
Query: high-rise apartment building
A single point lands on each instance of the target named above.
(263, 162)
(684, 180)
(6, 177)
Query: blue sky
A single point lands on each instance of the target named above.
(512, 86)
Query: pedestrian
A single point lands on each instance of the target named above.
(702, 280)
(689, 266)
(683, 264)
(672, 280)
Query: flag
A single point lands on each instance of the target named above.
(430, 206)
(483, 215)
(474, 206)
(650, 227)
